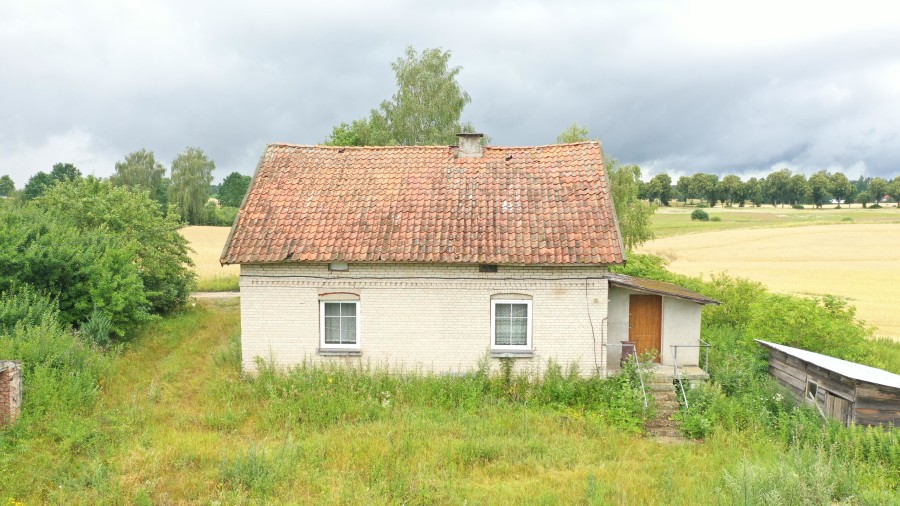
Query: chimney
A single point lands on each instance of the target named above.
(469, 145)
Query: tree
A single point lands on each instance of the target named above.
(840, 187)
(7, 186)
(683, 187)
(575, 133)
(878, 188)
(426, 109)
(819, 186)
(705, 186)
(633, 214)
(797, 189)
(732, 189)
(40, 182)
(753, 191)
(65, 172)
(660, 187)
(191, 177)
(894, 190)
(139, 170)
(777, 184)
(233, 188)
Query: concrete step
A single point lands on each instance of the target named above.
(670, 406)
(661, 422)
(665, 432)
(661, 387)
(665, 395)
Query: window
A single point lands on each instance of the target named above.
(811, 390)
(339, 324)
(511, 325)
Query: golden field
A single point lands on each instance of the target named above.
(858, 261)
(207, 243)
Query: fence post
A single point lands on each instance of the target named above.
(10, 391)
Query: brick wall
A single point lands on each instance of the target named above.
(433, 317)
(10, 390)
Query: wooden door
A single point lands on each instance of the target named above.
(837, 407)
(645, 323)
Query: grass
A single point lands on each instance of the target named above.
(207, 244)
(176, 423)
(859, 262)
(218, 283)
(673, 221)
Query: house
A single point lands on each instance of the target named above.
(435, 257)
(846, 391)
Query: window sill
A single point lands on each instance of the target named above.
(337, 352)
(512, 354)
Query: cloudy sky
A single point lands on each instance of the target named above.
(673, 86)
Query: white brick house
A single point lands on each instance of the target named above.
(434, 257)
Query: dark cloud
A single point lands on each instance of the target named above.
(681, 87)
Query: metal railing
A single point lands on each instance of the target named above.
(678, 378)
(703, 344)
(637, 363)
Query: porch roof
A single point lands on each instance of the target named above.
(659, 288)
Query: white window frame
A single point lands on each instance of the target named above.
(337, 346)
(510, 347)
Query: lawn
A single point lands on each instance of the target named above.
(176, 423)
(858, 261)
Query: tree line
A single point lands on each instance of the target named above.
(781, 187)
(185, 192)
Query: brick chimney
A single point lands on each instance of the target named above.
(469, 145)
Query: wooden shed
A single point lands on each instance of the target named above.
(846, 391)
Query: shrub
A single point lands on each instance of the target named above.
(699, 215)
(875, 206)
(97, 328)
(798, 206)
(132, 218)
(716, 218)
(80, 269)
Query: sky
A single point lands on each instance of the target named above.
(675, 86)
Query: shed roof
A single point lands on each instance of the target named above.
(658, 287)
(843, 367)
(543, 205)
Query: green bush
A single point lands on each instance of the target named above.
(81, 269)
(798, 206)
(875, 206)
(132, 218)
(699, 215)
(716, 218)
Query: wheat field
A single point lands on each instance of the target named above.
(206, 244)
(858, 261)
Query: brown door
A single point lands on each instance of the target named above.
(645, 323)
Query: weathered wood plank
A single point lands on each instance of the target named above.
(876, 392)
(867, 403)
(789, 370)
(788, 380)
(875, 417)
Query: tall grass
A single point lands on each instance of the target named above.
(218, 283)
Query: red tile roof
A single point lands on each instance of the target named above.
(546, 205)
